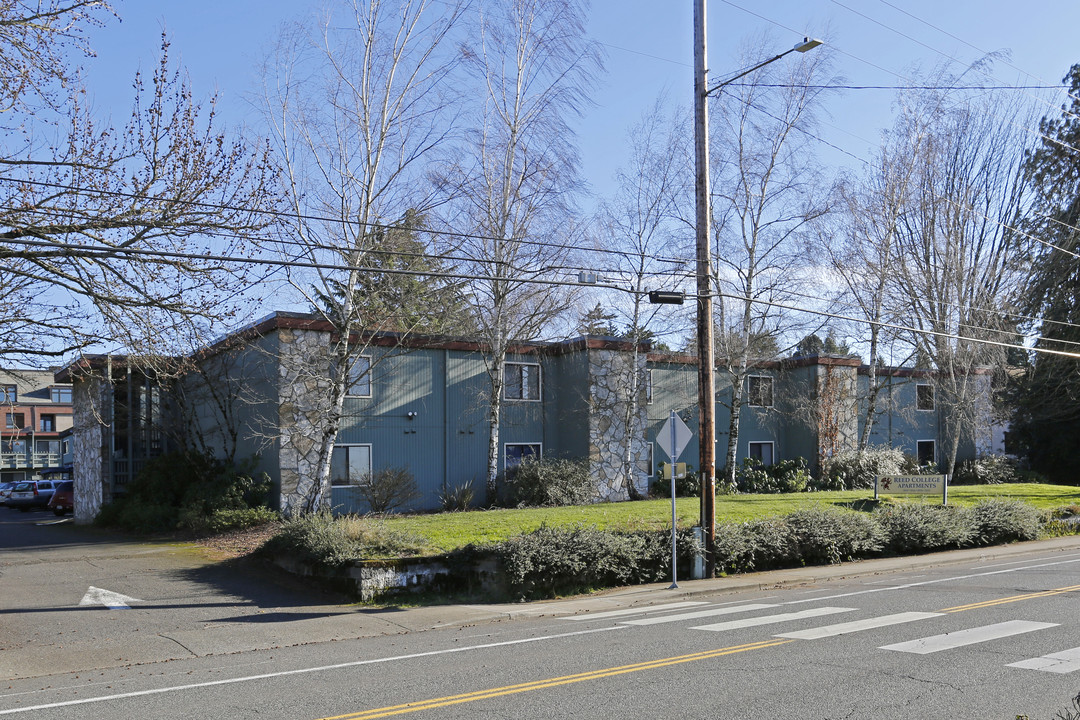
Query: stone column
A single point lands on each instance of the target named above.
(89, 444)
(609, 384)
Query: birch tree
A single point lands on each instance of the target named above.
(516, 179)
(359, 105)
(637, 228)
(765, 194)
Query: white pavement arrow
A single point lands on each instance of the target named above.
(111, 600)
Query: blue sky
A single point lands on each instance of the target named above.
(648, 47)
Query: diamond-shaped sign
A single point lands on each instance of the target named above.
(673, 446)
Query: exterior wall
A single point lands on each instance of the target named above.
(611, 377)
(89, 442)
(303, 409)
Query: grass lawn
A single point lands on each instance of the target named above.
(447, 531)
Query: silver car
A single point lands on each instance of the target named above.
(31, 494)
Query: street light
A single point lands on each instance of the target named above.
(706, 361)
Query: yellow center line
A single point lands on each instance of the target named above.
(553, 682)
(1011, 599)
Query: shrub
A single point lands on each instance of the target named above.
(314, 538)
(987, 470)
(549, 482)
(221, 521)
(182, 490)
(554, 561)
(1003, 521)
(762, 544)
(918, 527)
(687, 486)
(457, 498)
(833, 536)
(373, 538)
(785, 476)
(388, 489)
(855, 470)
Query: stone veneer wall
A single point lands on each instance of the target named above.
(89, 398)
(609, 380)
(304, 392)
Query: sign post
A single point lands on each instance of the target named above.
(672, 439)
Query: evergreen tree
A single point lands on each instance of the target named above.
(597, 322)
(1047, 420)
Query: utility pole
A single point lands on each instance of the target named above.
(705, 350)
(706, 382)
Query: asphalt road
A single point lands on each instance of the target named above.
(990, 634)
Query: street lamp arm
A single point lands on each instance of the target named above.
(806, 44)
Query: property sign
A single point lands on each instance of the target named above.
(673, 436)
(912, 485)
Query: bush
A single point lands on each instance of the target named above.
(388, 489)
(314, 538)
(854, 470)
(549, 483)
(183, 490)
(785, 476)
(554, 561)
(222, 521)
(460, 497)
(918, 527)
(1003, 521)
(987, 470)
(687, 486)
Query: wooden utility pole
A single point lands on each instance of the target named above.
(706, 382)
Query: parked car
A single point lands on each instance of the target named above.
(63, 498)
(5, 491)
(31, 494)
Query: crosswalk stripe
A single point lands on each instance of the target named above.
(711, 612)
(770, 619)
(1063, 662)
(857, 625)
(948, 641)
(637, 611)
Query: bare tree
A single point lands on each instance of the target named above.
(517, 177)
(637, 227)
(358, 106)
(959, 257)
(765, 195)
(116, 233)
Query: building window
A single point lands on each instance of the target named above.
(762, 451)
(350, 464)
(926, 450)
(14, 421)
(648, 388)
(9, 394)
(522, 381)
(47, 423)
(650, 447)
(759, 391)
(360, 377)
(517, 453)
(61, 395)
(924, 397)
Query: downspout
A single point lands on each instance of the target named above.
(446, 420)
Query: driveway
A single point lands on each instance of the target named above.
(77, 598)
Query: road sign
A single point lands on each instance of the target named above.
(673, 443)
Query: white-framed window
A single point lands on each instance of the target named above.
(60, 395)
(360, 377)
(924, 396)
(521, 381)
(926, 452)
(648, 387)
(516, 453)
(650, 449)
(759, 391)
(762, 451)
(350, 464)
(9, 394)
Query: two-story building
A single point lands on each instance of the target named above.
(37, 420)
(422, 403)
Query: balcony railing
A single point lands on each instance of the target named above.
(30, 460)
